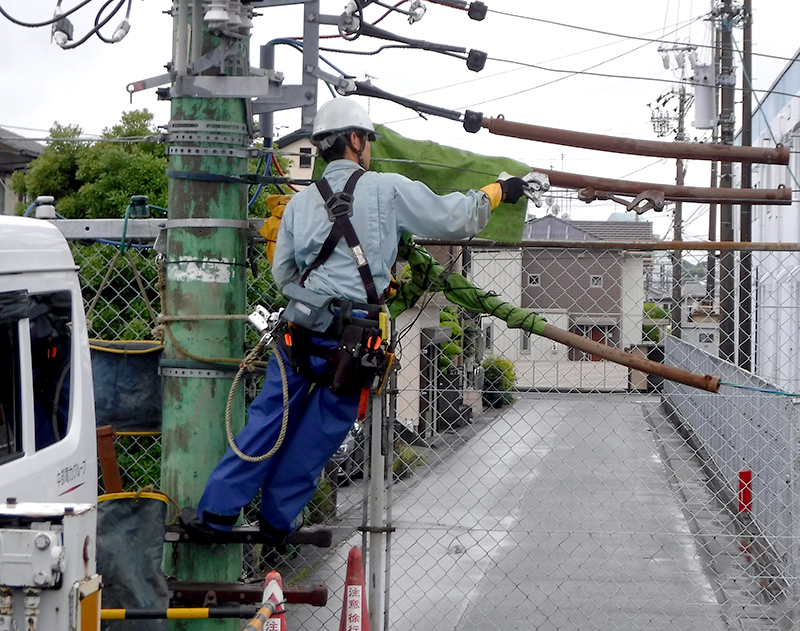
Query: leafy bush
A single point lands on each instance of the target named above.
(651, 333)
(654, 311)
(139, 462)
(452, 348)
(499, 378)
(322, 507)
(406, 459)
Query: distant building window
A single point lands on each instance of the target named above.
(596, 281)
(707, 338)
(524, 341)
(533, 280)
(305, 157)
(487, 334)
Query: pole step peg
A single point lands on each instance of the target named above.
(318, 537)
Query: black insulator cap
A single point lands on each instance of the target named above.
(476, 60)
(477, 11)
(472, 121)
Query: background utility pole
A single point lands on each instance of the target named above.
(662, 121)
(711, 261)
(746, 210)
(727, 79)
(677, 264)
(205, 276)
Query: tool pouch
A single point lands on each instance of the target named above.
(307, 309)
(354, 365)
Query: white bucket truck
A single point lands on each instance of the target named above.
(48, 462)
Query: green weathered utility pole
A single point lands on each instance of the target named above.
(206, 275)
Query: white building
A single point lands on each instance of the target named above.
(776, 276)
(595, 293)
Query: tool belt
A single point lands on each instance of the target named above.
(358, 361)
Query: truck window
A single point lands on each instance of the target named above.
(13, 308)
(51, 351)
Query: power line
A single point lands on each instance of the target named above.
(569, 72)
(597, 74)
(633, 37)
(53, 20)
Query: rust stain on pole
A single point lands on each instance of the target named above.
(633, 146)
(686, 377)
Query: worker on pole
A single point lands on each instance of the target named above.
(333, 259)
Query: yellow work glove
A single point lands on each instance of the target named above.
(505, 189)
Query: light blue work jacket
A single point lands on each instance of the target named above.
(384, 206)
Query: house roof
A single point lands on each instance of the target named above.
(16, 152)
(550, 227)
(290, 139)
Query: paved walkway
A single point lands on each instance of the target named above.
(568, 512)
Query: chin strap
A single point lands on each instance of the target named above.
(359, 152)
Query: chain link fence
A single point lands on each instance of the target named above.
(530, 485)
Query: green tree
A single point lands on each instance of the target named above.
(54, 172)
(96, 179)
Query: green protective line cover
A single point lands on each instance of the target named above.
(428, 275)
(446, 169)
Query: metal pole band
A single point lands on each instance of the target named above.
(219, 152)
(195, 373)
(208, 223)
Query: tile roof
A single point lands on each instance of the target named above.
(550, 227)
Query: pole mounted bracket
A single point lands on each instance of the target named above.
(641, 203)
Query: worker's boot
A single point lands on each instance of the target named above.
(199, 530)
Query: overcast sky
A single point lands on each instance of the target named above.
(86, 86)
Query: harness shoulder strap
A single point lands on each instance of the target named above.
(340, 209)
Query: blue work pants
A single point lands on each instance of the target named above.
(318, 423)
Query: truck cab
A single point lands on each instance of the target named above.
(48, 461)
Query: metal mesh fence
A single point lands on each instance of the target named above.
(530, 485)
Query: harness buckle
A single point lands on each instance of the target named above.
(339, 205)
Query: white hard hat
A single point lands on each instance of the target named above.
(340, 115)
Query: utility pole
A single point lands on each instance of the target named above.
(727, 79)
(662, 123)
(746, 210)
(711, 261)
(205, 273)
(677, 263)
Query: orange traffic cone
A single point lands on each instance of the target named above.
(267, 619)
(354, 610)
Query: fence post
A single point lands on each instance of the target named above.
(377, 507)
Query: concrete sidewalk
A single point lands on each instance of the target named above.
(558, 515)
(566, 512)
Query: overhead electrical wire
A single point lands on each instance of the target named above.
(98, 26)
(485, 76)
(99, 22)
(569, 72)
(633, 37)
(114, 12)
(49, 22)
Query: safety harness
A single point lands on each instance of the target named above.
(360, 354)
(340, 209)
